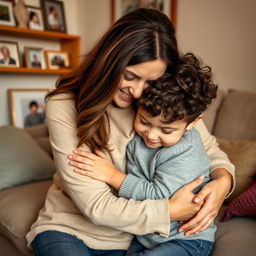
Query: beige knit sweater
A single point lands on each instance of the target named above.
(87, 208)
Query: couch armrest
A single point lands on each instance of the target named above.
(38, 131)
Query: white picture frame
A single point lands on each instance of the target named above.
(19, 102)
(6, 14)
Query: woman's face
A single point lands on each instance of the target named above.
(135, 79)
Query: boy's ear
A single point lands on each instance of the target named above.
(191, 125)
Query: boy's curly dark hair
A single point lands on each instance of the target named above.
(184, 94)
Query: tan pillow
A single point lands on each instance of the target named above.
(242, 153)
(236, 119)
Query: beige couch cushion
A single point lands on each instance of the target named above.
(211, 112)
(237, 116)
(19, 209)
(235, 237)
(242, 153)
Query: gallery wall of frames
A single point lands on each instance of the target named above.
(44, 21)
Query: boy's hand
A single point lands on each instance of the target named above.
(97, 166)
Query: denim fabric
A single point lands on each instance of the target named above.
(172, 248)
(55, 243)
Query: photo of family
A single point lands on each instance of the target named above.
(26, 106)
(9, 54)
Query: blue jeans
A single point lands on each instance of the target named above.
(55, 243)
(172, 248)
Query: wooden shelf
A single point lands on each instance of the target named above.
(25, 70)
(69, 43)
(37, 34)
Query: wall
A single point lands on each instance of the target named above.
(34, 81)
(223, 34)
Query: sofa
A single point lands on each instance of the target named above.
(27, 153)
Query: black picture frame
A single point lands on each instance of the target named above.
(54, 15)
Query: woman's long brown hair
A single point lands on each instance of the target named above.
(139, 36)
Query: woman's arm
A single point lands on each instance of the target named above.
(214, 192)
(94, 198)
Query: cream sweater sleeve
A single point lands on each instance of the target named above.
(218, 158)
(94, 198)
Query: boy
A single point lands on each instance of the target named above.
(167, 153)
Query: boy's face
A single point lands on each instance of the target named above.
(155, 132)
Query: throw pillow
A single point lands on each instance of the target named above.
(243, 205)
(242, 153)
(21, 159)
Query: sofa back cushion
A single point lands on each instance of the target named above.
(22, 160)
(237, 116)
(209, 116)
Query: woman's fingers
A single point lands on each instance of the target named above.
(83, 172)
(83, 166)
(83, 153)
(199, 226)
(100, 154)
(206, 214)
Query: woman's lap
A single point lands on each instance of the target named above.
(55, 243)
(173, 248)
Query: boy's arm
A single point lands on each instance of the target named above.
(97, 166)
(176, 168)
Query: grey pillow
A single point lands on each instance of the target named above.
(21, 159)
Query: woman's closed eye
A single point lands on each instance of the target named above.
(129, 77)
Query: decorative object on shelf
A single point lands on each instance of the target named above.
(54, 15)
(35, 18)
(6, 14)
(57, 59)
(26, 106)
(34, 57)
(120, 8)
(21, 14)
(9, 54)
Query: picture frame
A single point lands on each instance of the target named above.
(26, 106)
(57, 59)
(34, 57)
(35, 18)
(9, 54)
(54, 15)
(6, 14)
(121, 7)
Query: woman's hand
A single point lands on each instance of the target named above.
(182, 204)
(97, 166)
(212, 195)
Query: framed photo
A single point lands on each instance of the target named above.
(57, 59)
(26, 106)
(6, 13)
(121, 7)
(34, 57)
(54, 15)
(9, 54)
(35, 18)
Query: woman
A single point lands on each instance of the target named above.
(92, 108)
